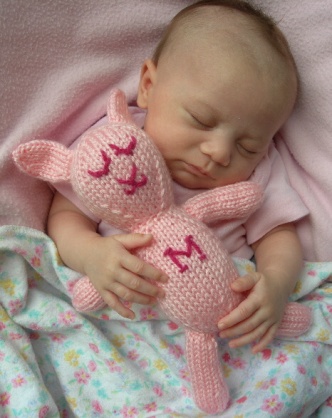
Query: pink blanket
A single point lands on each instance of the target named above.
(305, 140)
(58, 62)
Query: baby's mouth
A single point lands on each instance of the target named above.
(198, 171)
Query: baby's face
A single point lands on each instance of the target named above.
(211, 115)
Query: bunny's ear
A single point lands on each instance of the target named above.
(45, 160)
(117, 107)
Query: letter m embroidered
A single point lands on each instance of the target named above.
(175, 254)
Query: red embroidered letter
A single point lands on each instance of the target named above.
(174, 254)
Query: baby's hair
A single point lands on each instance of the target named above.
(264, 24)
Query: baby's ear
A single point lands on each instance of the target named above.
(117, 108)
(45, 160)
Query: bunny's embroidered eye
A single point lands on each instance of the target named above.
(126, 151)
(105, 170)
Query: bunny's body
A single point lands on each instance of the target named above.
(121, 177)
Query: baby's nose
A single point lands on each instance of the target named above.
(219, 150)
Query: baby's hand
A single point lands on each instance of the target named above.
(256, 318)
(117, 274)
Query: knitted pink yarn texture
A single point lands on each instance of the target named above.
(121, 177)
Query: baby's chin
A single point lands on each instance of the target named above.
(190, 181)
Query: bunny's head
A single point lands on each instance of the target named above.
(111, 170)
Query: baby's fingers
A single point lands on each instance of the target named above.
(265, 340)
(245, 310)
(143, 269)
(113, 302)
(245, 283)
(135, 264)
(123, 291)
(262, 335)
(134, 288)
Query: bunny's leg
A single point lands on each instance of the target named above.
(85, 296)
(210, 391)
(296, 320)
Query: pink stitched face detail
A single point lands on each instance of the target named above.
(107, 160)
(105, 170)
(112, 169)
(126, 151)
(131, 179)
(132, 182)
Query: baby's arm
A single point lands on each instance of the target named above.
(107, 261)
(279, 262)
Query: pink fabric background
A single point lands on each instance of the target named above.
(306, 140)
(58, 62)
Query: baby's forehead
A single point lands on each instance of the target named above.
(220, 25)
(226, 31)
(210, 21)
(205, 34)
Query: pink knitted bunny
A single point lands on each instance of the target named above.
(121, 177)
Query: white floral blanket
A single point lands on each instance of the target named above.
(55, 362)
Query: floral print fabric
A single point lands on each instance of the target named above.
(55, 362)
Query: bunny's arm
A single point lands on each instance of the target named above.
(233, 201)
